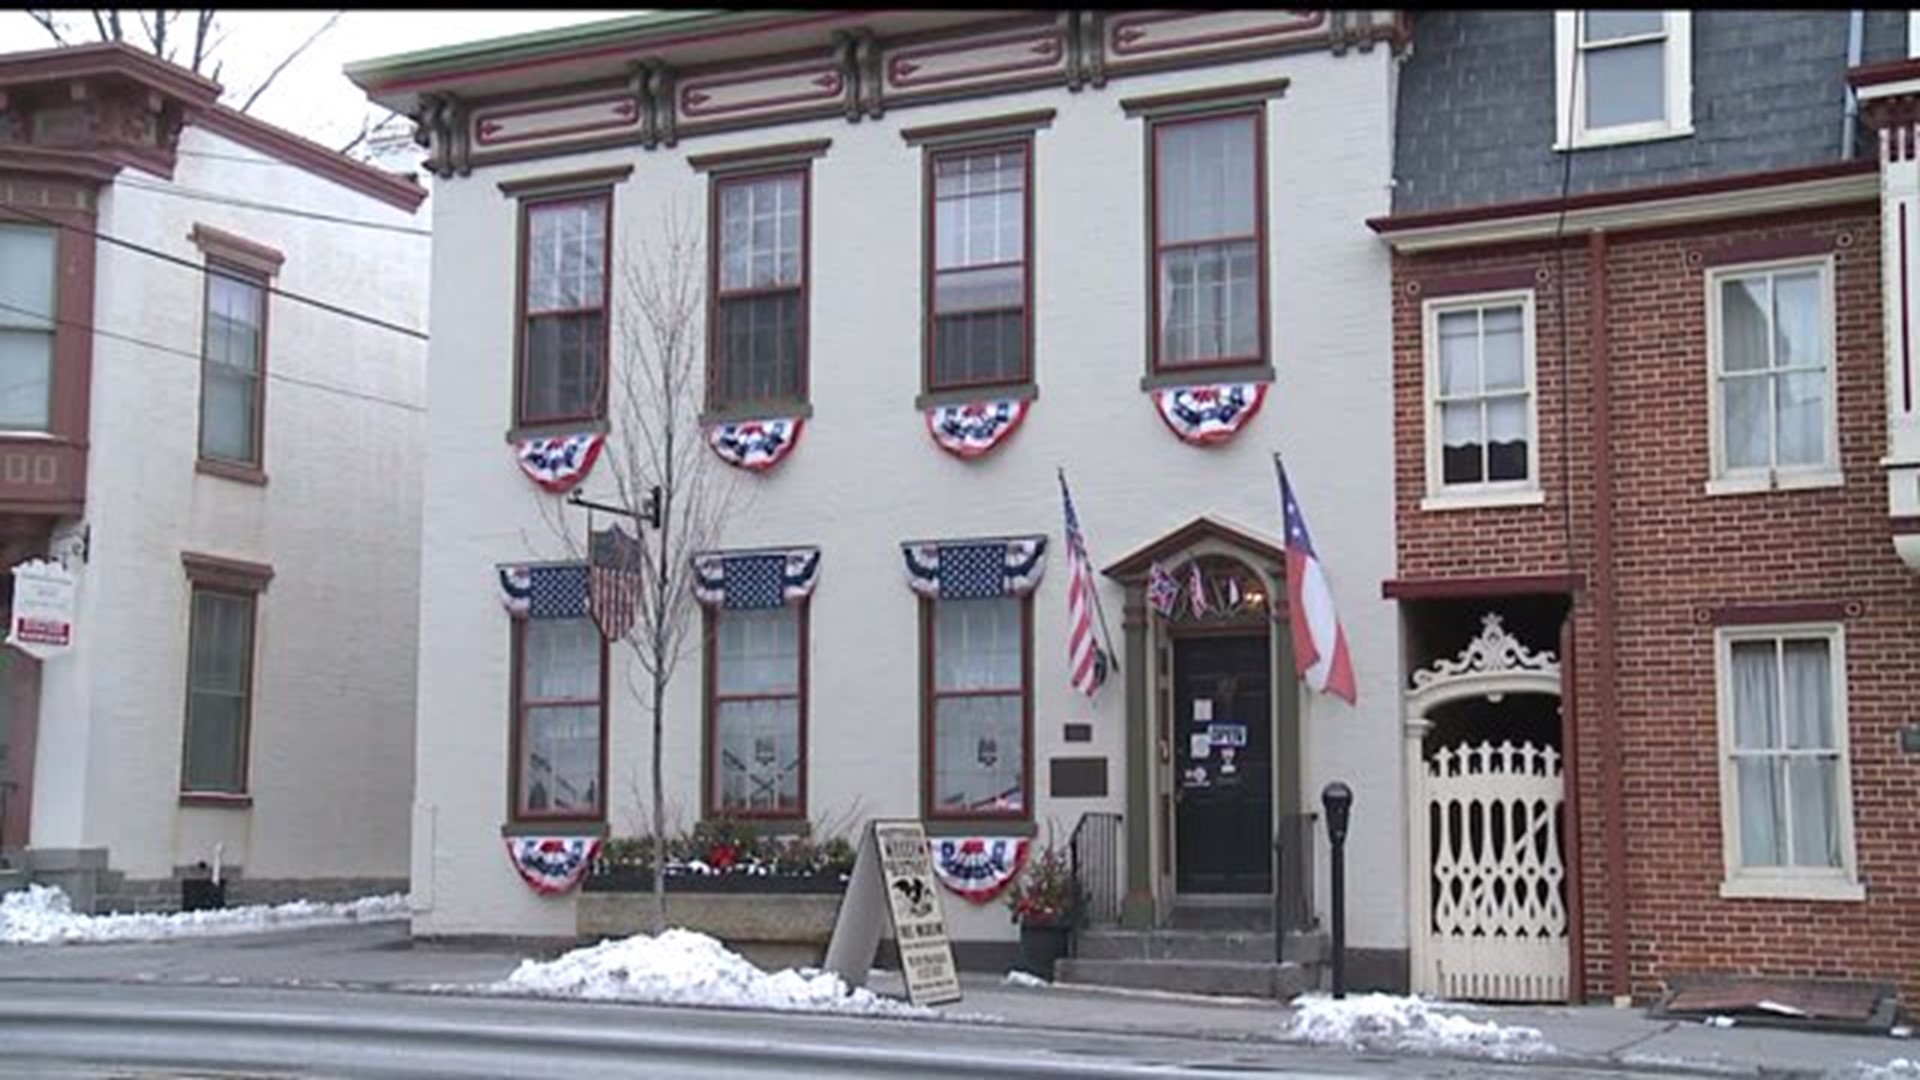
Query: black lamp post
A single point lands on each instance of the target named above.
(1338, 800)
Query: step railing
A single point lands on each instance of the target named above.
(1094, 856)
(1293, 878)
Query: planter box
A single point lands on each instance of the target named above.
(773, 928)
(624, 880)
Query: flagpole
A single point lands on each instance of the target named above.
(1099, 609)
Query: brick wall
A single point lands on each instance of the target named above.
(1678, 551)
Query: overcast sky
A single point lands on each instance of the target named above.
(312, 97)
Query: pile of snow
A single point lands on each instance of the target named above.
(681, 967)
(40, 915)
(1026, 978)
(1388, 1022)
(1897, 1069)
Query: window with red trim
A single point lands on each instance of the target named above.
(757, 711)
(1208, 210)
(563, 336)
(759, 331)
(560, 719)
(979, 295)
(978, 706)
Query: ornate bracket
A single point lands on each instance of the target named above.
(1494, 652)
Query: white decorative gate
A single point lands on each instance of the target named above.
(1489, 914)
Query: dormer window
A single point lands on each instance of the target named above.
(1623, 76)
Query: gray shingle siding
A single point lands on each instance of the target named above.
(1476, 110)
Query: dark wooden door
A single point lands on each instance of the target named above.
(1223, 757)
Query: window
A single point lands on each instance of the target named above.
(560, 719)
(978, 706)
(563, 346)
(26, 326)
(1481, 422)
(760, 308)
(1786, 798)
(232, 354)
(1771, 340)
(1209, 305)
(757, 711)
(1623, 76)
(978, 327)
(219, 691)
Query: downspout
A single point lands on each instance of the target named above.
(1606, 696)
(1850, 112)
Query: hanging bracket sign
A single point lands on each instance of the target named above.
(894, 870)
(42, 621)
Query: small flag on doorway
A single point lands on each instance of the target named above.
(1319, 641)
(1197, 592)
(613, 580)
(1162, 591)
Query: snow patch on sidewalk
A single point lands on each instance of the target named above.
(1388, 1022)
(682, 967)
(40, 915)
(1897, 1069)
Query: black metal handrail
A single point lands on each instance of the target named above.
(1094, 856)
(1293, 879)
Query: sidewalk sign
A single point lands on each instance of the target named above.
(893, 868)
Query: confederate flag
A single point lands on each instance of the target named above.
(1319, 642)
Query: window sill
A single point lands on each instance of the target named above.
(1596, 139)
(1480, 500)
(968, 395)
(763, 410)
(570, 827)
(231, 470)
(1203, 375)
(1764, 482)
(217, 800)
(1002, 826)
(520, 432)
(1763, 888)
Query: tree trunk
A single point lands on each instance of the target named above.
(659, 813)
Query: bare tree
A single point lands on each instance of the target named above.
(161, 31)
(655, 442)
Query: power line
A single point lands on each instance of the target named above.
(179, 191)
(201, 269)
(197, 358)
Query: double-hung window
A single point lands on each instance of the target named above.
(1786, 797)
(560, 720)
(1209, 269)
(223, 600)
(1481, 419)
(978, 706)
(757, 710)
(1770, 333)
(27, 254)
(979, 328)
(563, 335)
(759, 332)
(1623, 76)
(232, 368)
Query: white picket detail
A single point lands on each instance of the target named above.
(1498, 926)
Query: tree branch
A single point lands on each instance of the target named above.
(290, 58)
(44, 17)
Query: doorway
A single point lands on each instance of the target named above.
(1223, 763)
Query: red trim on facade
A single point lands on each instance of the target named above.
(1469, 588)
(1049, 50)
(1905, 526)
(107, 58)
(1766, 249)
(1613, 739)
(1884, 72)
(516, 726)
(1518, 277)
(628, 117)
(1256, 115)
(715, 352)
(828, 80)
(929, 700)
(930, 272)
(395, 191)
(710, 683)
(528, 205)
(1795, 611)
(1122, 32)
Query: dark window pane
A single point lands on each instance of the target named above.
(987, 347)
(219, 663)
(1505, 461)
(760, 348)
(563, 365)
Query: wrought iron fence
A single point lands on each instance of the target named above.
(1094, 851)
(1293, 876)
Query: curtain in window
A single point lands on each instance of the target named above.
(1812, 781)
(566, 308)
(1758, 775)
(979, 762)
(1743, 362)
(1800, 347)
(757, 759)
(560, 746)
(1205, 201)
(979, 279)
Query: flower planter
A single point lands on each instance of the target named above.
(1040, 945)
(773, 920)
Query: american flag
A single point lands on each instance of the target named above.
(1162, 591)
(613, 581)
(1085, 662)
(1197, 592)
(1319, 641)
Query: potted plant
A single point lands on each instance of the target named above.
(1042, 901)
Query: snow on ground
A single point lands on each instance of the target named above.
(1897, 1069)
(1391, 1022)
(681, 967)
(1026, 978)
(40, 915)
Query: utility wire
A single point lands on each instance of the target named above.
(179, 191)
(199, 268)
(197, 358)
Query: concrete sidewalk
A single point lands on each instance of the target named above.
(381, 957)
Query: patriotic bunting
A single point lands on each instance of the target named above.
(1205, 415)
(978, 867)
(561, 462)
(976, 570)
(968, 431)
(544, 592)
(551, 865)
(755, 580)
(755, 445)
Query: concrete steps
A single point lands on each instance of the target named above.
(1238, 978)
(1198, 945)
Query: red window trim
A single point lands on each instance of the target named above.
(933, 153)
(1256, 114)
(716, 352)
(929, 808)
(528, 205)
(516, 729)
(711, 700)
(252, 469)
(196, 585)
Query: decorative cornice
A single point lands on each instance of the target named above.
(1493, 652)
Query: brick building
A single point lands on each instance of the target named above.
(1646, 392)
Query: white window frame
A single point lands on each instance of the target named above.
(1840, 883)
(1913, 34)
(1826, 474)
(1571, 131)
(1440, 494)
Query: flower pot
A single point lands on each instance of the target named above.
(1040, 945)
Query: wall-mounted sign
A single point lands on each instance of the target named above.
(42, 621)
(1227, 734)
